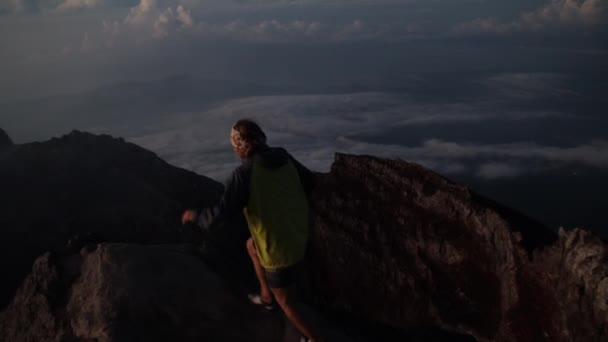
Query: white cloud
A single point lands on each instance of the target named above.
(148, 18)
(79, 4)
(161, 20)
(276, 30)
(557, 14)
(184, 16)
(172, 20)
(567, 12)
(141, 13)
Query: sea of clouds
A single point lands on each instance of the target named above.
(314, 127)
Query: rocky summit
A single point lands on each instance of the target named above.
(397, 252)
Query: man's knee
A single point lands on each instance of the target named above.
(282, 296)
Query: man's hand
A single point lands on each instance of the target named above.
(189, 216)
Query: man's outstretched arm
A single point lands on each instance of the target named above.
(232, 202)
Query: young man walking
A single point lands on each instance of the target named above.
(271, 188)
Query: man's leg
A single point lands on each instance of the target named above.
(259, 272)
(286, 298)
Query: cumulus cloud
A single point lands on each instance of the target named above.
(79, 4)
(141, 13)
(148, 17)
(276, 30)
(556, 14)
(184, 17)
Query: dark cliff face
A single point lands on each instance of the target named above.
(98, 182)
(87, 188)
(397, 243)
(5, 140)
(128, 292)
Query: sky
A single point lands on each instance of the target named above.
(501, 95)
(55, 46)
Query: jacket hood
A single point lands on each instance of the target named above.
(272, 157)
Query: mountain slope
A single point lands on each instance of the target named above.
(84, 187)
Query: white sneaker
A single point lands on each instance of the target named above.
(257, 300)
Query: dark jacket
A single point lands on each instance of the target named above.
(237, 187)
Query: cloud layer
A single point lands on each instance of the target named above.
(314, 127)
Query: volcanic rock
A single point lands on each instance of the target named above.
(127, 292)
(397, 243)
(395, 250)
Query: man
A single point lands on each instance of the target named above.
(271, 188)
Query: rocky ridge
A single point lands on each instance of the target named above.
(397, 251)
(129, 292)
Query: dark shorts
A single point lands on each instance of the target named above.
(283, 277)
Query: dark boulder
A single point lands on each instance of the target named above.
(127, 292)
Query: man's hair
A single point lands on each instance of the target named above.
(247, 137)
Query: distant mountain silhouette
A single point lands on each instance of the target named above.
(5, 140)
(397, 252)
